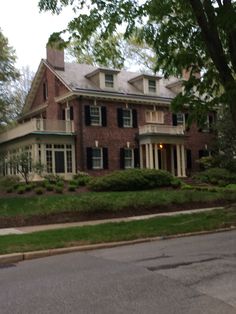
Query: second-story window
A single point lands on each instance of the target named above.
(154, 116)
(95, 115)
(109, 80)
(127, 118)
(152, 86)
(180, 118)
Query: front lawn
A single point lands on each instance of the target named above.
(122, 231)
(37, 209)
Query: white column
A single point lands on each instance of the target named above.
(151, 156)
(141, 156)
(164, 159)
(178, 161)
(172, 160)
(156, 156)
(183, 160)
(147, 155)
(35, 157)
(73, 159)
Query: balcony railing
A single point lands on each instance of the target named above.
(37, 125)
(161, 129)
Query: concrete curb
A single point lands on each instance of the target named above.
(18, 257)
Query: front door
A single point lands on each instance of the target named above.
(59, 162)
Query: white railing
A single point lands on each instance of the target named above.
(161, 129)
(37, 125)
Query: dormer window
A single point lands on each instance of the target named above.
(152, 86)
(109, 80)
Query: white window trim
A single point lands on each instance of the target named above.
(132, 158)
(152, 89)
(109, 82)
(100, 115)
(131, 118)
(154, 116)
(97, 158)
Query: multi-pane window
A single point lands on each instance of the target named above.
(97, 158)
(154, 116)
(128, 158)
(152, 86)
(180, 118)
(49, 161)
(127, 118)
(69, 161)
(109, 80)
(95, 115)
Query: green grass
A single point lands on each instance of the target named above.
(122, 231)
(107, 201)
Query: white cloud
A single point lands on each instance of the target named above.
(28, 30)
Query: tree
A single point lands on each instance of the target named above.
(8, 73)
(114, 52)
(197, 35)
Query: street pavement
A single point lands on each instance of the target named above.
(180, 276)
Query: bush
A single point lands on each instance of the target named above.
(72, 188)
(49, 187)
(131, 180)
(39, 190)
(231, 186)
(82, 179)
(217, 176)
(8, 181)
(9, 189)
(58, 189)
(21, 189)
(28, 187)
(52, 178)
(176, 183)
(60, 184)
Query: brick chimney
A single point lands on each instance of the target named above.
(55, 56)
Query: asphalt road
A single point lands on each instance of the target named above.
(186, 275)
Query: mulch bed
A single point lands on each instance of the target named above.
(74, 216)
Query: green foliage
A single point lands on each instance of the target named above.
(9, 181)
(29, 187)
(81, 179)
(58, 189)
(39, 190)
(53, 178)
(130, 180)
(9, 189)
(207, 162)
(176, 182)
(198, 36)
(218, 176)
(49, 187)
(21, 189)
(72, 188)
(231, 186)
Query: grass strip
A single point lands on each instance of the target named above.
(122, 231)
(93, 202)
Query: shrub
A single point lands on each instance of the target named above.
(39, 190)
(58, 189)
(231, 186)
(49, 187)
(53, 178)
(131, 180)
(82, 178)
(21, 189)
(60, 184)
(72, 188)
(28, 187)
(9, 189)
(176, 183)
(8, 181)
(216, 176)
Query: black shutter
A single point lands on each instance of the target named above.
(71, 113)
(136, 158)
(63, 114)
(89, 157)
(203, 153)
(105, 157)
(174, 119)
(189, 159)
(135, 118)
(122, 158)
(87, 115)
(186, 122)
(104, 116)
(120, 117)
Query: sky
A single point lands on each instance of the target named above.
(28, 30)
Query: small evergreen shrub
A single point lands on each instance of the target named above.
(60, 184)
(9, 189)
(9, 181)
(131, 180)
(21, 189)
(82, 178)
(72, 188)
(28, 187)
(58, 189)
(176, 183)
(53, 178)
(49, 187)
(218, 176)
(39, 190)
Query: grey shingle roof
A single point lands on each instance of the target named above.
(75, 77)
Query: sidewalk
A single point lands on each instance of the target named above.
(30, 229)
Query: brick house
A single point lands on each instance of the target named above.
(81, 118)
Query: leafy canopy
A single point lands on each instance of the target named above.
(196, 35)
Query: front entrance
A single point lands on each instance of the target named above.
(59, 161)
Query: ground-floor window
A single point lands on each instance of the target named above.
(58, 158)
(128, 158)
